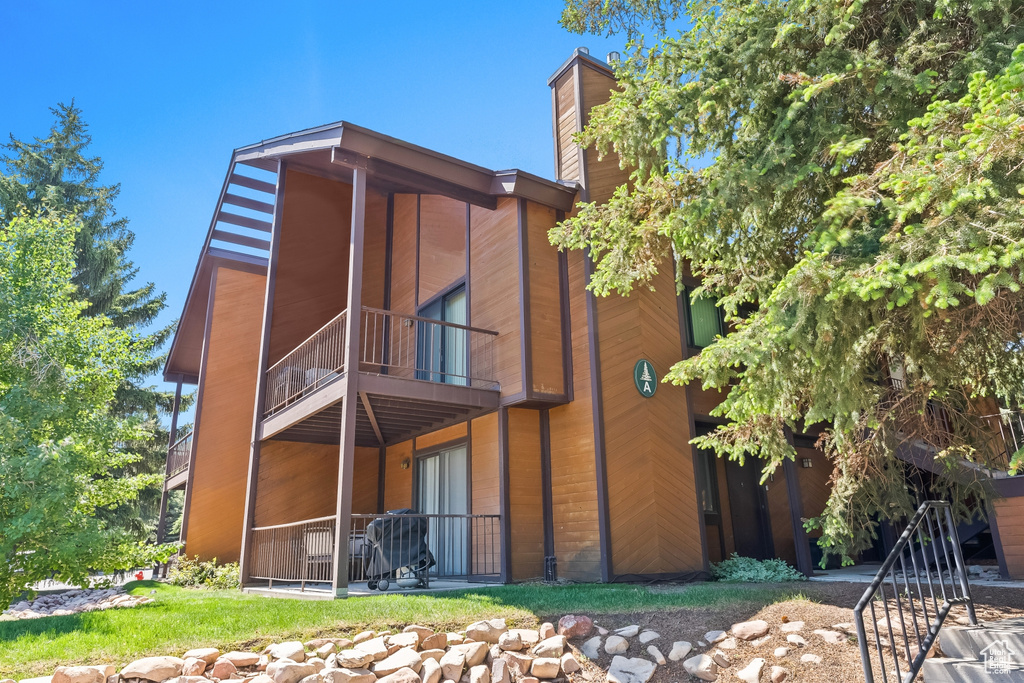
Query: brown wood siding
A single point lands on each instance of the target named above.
(545, 302)
(456, 431)
(814, 482)
(486, 496)
(225, 428)
(703, 401)
(374, 248)
(312, 272)
(403, 255)
(365, 472)
(398, 481)
(526, 505)
(567, 157)
(781, 519)
(494, 268)
(442, 244)
(297, 481)
(652, 500)
(1009, 512)
(603, 174)
(723, 501)
(573, 473)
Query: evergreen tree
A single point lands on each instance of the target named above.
(850, 172)
(55, 176)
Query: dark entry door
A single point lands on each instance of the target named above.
(749, 509)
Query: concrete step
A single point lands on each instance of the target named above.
(969, 642)
(949, 670)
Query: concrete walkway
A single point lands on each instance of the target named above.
(865, 573)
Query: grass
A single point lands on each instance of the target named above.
(181, 619)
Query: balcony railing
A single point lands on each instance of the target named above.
(392, 547)
(178, 455)
(1010, 426)
(393, 344)
(309, 366)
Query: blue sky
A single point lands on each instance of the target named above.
(169, 89)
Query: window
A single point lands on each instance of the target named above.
(705, 319)
(442, 352)
(707, 486)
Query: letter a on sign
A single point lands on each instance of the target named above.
(644, 378)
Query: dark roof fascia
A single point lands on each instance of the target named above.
(584, 58)
(518, 183)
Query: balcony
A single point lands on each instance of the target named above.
(177, 461)
(415, 375)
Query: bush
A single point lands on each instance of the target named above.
(191, 573)
(748, 569)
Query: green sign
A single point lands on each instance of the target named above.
(644, 378)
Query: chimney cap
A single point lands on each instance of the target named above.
(613, 57)
(584, 50)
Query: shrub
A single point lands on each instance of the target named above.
(191, 573)
(748, 569)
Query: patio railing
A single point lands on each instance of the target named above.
(394, 344)
(178, 455)
(298, 553)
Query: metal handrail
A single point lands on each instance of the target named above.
(434, 321)
(178, 455)
(930, 539)
(326, 518)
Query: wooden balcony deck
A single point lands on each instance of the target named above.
(415, 375)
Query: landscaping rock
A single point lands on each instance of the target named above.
(406, 658)
(293, 650)
(631, 670)
(656, 653)
(715, 636)
(779, 674)
(781, 651)
(401, 676)
(592, 648)
(701, 666)
(422, 631)
(748, 630)
(435, 641)
(404, 639)
(480, 674)
(529, 636)
(573, 626)
(810, 659)
(569, 663)
(510, 642)
(207, 654)
(796, 640)
(326, 650)
(345, 675)
(518, 664)
(353, 659)
(193, 667)
(240, 659)
(680, 649)
(546, 630)
(452, 664)
(363, 635)
(475, 653)
(648, 636)
(616, 645)
(728, 644)
(223, 668)
(455, 638)
(312, 678)
(721, 659)
(430, 671)
(287, 671)
(78, 674)
(760, 641)
(156, 669)
(751, 673)
(528, 679)
(545, 667)
(316, 663)
(486, 631)
(602, 631)
(830, 637)
(628, 631)
(500, 671)
(376, 647)
(431, 654)
(551, 647)
(792, 627)
(261, 678)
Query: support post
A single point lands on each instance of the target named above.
(261, 379)
(353, 334)
(796, 512)
(504, 496)
(171, 439)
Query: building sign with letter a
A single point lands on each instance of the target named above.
(644, 377)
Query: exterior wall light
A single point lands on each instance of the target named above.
(806, 462)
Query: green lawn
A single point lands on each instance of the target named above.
(181, 619)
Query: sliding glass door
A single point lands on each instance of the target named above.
(443, 489)
(442, 352)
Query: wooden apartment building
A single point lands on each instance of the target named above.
(376, 326)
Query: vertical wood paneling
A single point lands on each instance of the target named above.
(494, 267)
(456, 431)
(297, 481)
(814, 482)
(782, 524)
(486, 499)
(652, 501)
(442, 244)
(545, 305)
(603, 175)
(723, 498)
(398, 482)
(403, 255)
(1009, 512)
(229, 392)
(374, 241)
(573, 477)
(566, 150)
(525, 500)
